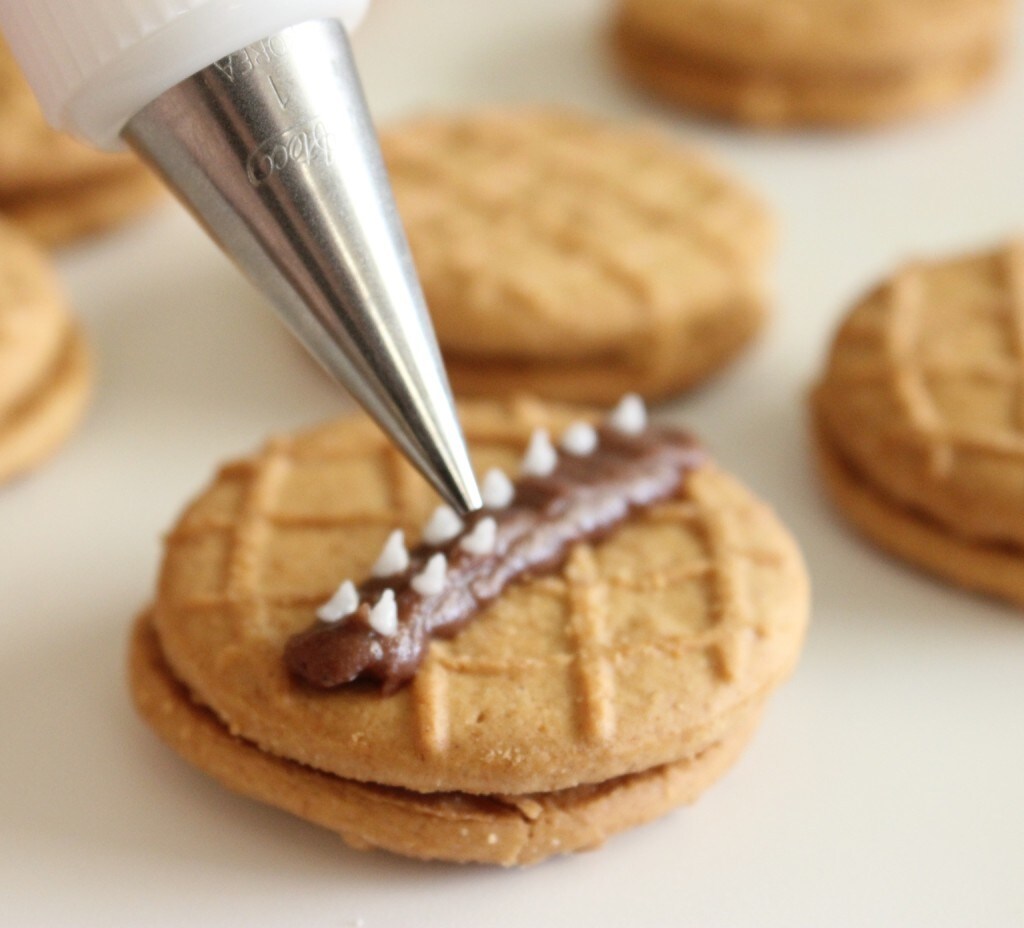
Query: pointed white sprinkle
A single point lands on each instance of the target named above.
(393, 557)
(630, 416)
(344, 602)
(384, 615)
(580, 439)
(443, 526)
(497, 490)
(481, 539)
(541, 457)
(430, 581)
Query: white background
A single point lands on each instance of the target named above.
(886, 786)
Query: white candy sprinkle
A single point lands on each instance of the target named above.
(580, 439)
(393, 557)
(540, 458)
(496, 489)
(630, 416)
(481, 539)
(384, 615)
(443, 526)
(344, 602)
(430, 581)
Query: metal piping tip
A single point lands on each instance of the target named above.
(272, 149)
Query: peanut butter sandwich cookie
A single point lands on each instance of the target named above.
(54, 187)
(576, 259)
(919, 418)
(590, 650)
(44, 366)
(810, 62)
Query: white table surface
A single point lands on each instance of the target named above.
(885, 786)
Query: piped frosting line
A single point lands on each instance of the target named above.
(582, 498)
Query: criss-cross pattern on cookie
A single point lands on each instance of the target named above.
(259, 531)
(537, 211)
(944, 347)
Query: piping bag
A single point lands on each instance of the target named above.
(252, 112)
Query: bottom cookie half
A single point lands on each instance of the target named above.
(678, 359)
(34, 427)
(771, 99)
(995, 569)
(62, 215)
(505, 830)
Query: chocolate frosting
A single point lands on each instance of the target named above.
(583, 499)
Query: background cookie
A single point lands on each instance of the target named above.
(53, 186)
(825, 62)
(44, 368)
(574, 258)
(649, 649)
(919, 418)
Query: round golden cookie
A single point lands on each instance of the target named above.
(920, 417)
(55, 187)
(813, 62)
(575, 258)
(44, 367)
(506, 830)
(644, 650)
(64, 215)
(33, 321)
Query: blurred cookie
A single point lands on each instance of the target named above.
(809, 62)
(919, 418)
(577, 259)
(578, 702)
(44, 368)
(53, 186)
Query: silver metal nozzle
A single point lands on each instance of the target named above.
(273, 151)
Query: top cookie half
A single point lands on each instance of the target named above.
(826, 35)
(922, 393)
(645, 648)
(34, 158)
(810, 62)
(53, 186)
(556, 245)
